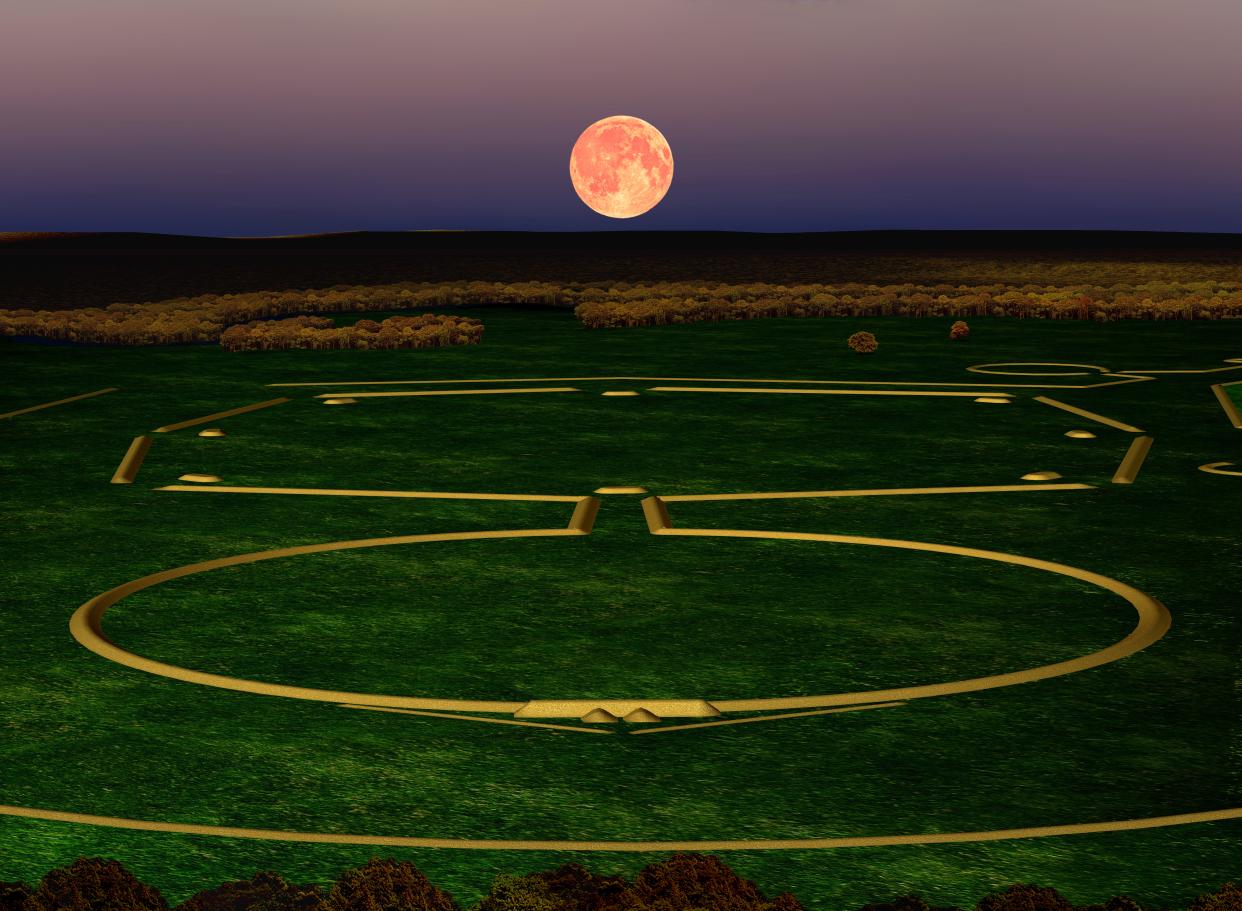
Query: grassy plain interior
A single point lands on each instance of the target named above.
(624, 613)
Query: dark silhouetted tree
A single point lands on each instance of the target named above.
(1227, 898)
(685, 881)
(95, 884)
(16, 897)
(265, 891)
(1025, 897)
(387, 885)
(905, 903)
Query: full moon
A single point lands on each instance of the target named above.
(621, 166)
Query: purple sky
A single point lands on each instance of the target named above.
(289, 116)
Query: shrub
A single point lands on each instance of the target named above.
(959, 330)
(265, 891)
(518, 893)
(387, 885)
(602, 305)
(1227, 898)
(16, 897)
(1116, 903)
(321, 333)
(863, 342)
(905, 903)
(569, 887)
(1025, 897)
(685, 881)
(95, 884)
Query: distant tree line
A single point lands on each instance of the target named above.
(682, 882)
(1155, 301)
(321, 333)
(618, 304)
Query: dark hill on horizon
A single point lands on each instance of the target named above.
(54, 270)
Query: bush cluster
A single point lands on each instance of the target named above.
(959, 330)
(681, 882)
(204, 318)
(862, 342)
(663, 305)
(321, 333)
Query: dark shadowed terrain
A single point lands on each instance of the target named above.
(55, 271)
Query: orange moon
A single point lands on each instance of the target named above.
(621, 166)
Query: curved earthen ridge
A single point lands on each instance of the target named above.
(1231, 410)
(748, 844)
(132, 460)
(1236, 361)
(207, 419)
(1219, 468)
(1127, 471)
(1153, 618)
(1076, 369)
(86, 623)
(72, 398)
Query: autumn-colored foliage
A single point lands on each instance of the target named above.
(265, 891)
(905, 903)
(702, 881)
(321, 333)
(862, 342)
(959, 330)
(1025, 897)
(606, 305)
(674, 303)
(680, 882)
(16, 897)
(387, 885)
(94, 884)
(1116, 903)
(1227, 898)
(569, 887)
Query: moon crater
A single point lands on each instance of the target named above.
(621, 166)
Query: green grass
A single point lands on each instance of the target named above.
(623, 613)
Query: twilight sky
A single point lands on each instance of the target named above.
(248, 117)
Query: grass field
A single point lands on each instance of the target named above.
(621, 613)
